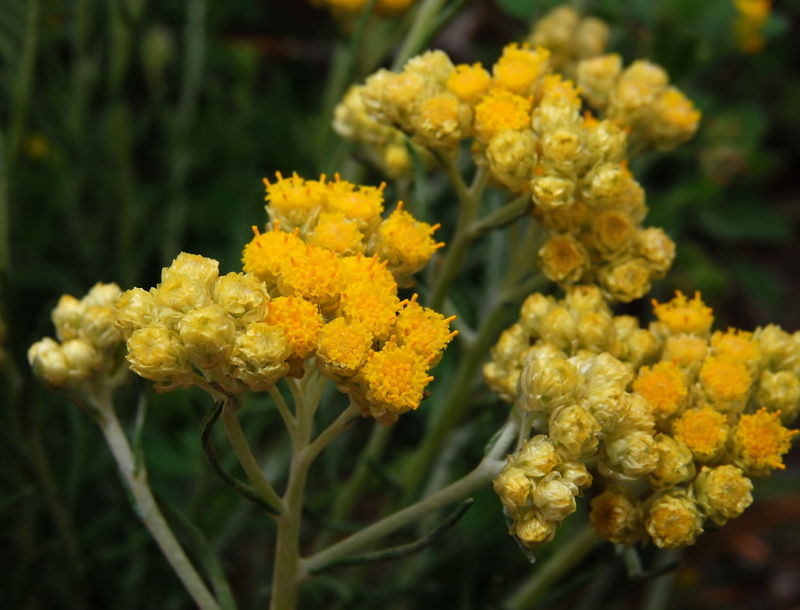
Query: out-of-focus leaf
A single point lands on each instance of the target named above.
(745, 220)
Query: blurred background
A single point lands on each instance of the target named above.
(131, 130)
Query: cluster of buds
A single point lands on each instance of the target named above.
(88, 346)
(640, 98)
(672, 420)
(384, 8)
(344, 218)
(527, 127)
(569, 37)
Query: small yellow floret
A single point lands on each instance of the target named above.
(396, 378)
(469, 83)
(300, 320)
(682, 315)
(704, 431)
(363, 204)
(313, 274)
(735, 346)
(406, 242)
(336, 232)
(423, 330)
(500, 110)
(760, 442)
(367, 272)
(556, 86)
(343, 347)
(267, 252)
(518, 68)
(724, 381)
(376, 310)
(677, 110)
(663, 386)
(294, 200)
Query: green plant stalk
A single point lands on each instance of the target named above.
(135, 480)
(426, 16)
(564, 559)
(241, 448)
(483, 473)
(287, 574)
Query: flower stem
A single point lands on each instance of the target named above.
(487, 470)
(420, 30)
(242, 449)
(554, 568)
(135, 479)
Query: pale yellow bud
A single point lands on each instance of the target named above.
(675, 463)
(657, 248)
(441, 121)
(98, 327)
(723, 492)
(618, 411)
(605, 371)
(592, 37)
(780, 392)
(135, 308)
(514, 487)
(157, 353)
(243, 297)
(552, 191)
(512, 155)
(562, 150)
(510, 345)
(597, 77)
(200, 268)
(560, 328)
(575, 432)
(179, 294)
(554, 498)
(637, 89)
(575, 474)
(533, 311)
(435, 66)
(259, 355)
(585, 299)
(604, 185)
(548, 383)
(612, 232)
(626, 280)
(687, 351)
(102, 295)
(778, 350)
(208, 334)
(673, 520)
(49, 362)
(641, 347)
(532, 529)
(67, 317)
(606, 142)
(595, 331)
(82, 359)
(630, 455)
(537, 457)
(555, 113)
(617, 516)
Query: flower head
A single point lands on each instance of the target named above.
(704, 431)
(301, 323)
(499, 110)
(760, 441)
(682, 315)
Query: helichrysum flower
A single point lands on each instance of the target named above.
(519, 68)
(300, 321)
(683, 315)
(760, 441)
(723, 493)
(664, 388)
(343, 347)
(406, 243)
(673, 520)
(704, 431)
(617, 516)
(423, 330)
(469, 83)
(501, 110)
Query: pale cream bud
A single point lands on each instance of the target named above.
(48, 361)
(514, 487)
(626, 280)
(585, 299)
(548, 383)
(723, 492)
(780, 391)
(657, 248)
(617, 516)
(630, 455)
(575, 432)
(533, 311)
(675, 463)
(98, 327)
(560, 328)
(552, 192)
(532, 529)
(512, 155)
(562, 149)
(606, 142)
(179, 294)
(554, 498)
(604, 185)
(82, 359)
(67, 317)
(595, 331)
(537, 457)
(135, 308)
(243, 297)
(208, 334)
(102, 295)
(259, 355)
(575, 474)
(200, 268)
(597, 77)
(156, 353)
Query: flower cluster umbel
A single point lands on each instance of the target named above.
(666, 424)
(529, 126)
(309, 297)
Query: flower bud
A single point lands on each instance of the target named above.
(673, 520)
(616, 516)
(554, 498)
(548, 383)
(532, 529)
(156, 353)
(49, 362)
(630, 455)
(98, 327)
(208, 335)
(135, 308)
(575, 433)
(102, 295)
(67, 317)
(723, 492)
(81, 358)
(780, 392)
(259, 356)
(576, 475)
(552, 192)
(675, 463)
(512, 155)
(537, 457)
(514, 487)
(243, 297)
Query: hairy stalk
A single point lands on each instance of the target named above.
(487, 470)
(145, 504)
(426, 16)
(564, 559)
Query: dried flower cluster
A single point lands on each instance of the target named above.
(689, 413)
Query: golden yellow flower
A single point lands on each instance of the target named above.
(313, 274)
(423, 330)
(343, 347)
(687, 351)
(469, 83)
(518, 69)
(337, 233)
(736, 346)
(376, 310)
(441, 122)
(265, 255)
(704, 431)
(724, 381)
(395, 378)
(363, 204)
(301, 323)
(294, 201)
(664, 388)
(406, 243)
(556, 86)
(673, 520)
(760, 441)
(367, 272)
(500, 110)
(616, 516)
(682, 315)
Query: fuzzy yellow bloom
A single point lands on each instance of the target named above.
(266, 254)
(157, 353)
(673, 520)
(337, 233)
(723, 492)
(616, 516)
(736, 346)
(441, 122)
(423, 330)
(704, 431)
(682, 315)
(367, 272)
(687, 351)
(724, 381)
(469, 83)
(259, 355)
(294, 201)
(500, 110)
(364, 204)
(301, 322)
(242, 296)
(676, 119)
(395, 379)
(663, 386)
(376, 310)
(519, 68)
(406, 243)
(675, 463)
(760, 441)
(313, 274)
(597, 77)
(343, 348)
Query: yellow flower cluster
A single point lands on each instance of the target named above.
(87, 348)
(334, 217)
(690, 412)
(640, 98)
(528, 128)
(569, 37)
(751, 17)
(385, 8)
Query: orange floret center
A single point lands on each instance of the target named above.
(762, 439)
(704, 431)
(396, 378)
(663, 386)
(469, 83)
(301, 323)
(724, 380)
(682, 315)
(500, 110)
